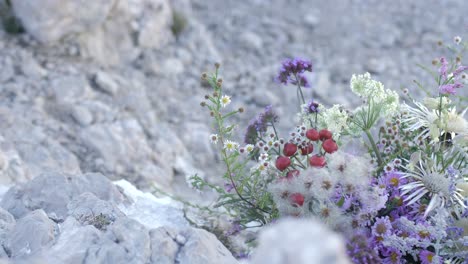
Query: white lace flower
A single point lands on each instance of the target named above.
(334, 119)
(364, 86)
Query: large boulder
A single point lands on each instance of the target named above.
(108, 31)
(53, 191)
(63, 218)
(50, 20)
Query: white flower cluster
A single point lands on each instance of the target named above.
(364, 86)
(334, 119)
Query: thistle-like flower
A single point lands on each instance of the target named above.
(426, 180)
(420, 118)
(428, 121)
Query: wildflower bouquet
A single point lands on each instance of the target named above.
(402, 201)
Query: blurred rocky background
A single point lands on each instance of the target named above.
(99, 91)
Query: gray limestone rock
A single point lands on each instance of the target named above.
(7, 223)
(73, 244)
(51, 20)
(125, 241)
(53, 191)
(203, 247)
(82, 115)
(106, 83)
(90, 210)
(30, 234)
(164, 248)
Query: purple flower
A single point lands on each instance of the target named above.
(235, 229)
(243, 255)
(303, 82)
(312, 107)
(394, 179)
(268, 116)
(416, 211)
(382, 227)
(228, 187)
(361, 250)
(443, 68)
(452, 174)
(392, 256)
(251, 133)
(454, 232)
(428, 257)
(459, 70)
(449, 88)
(292, 70)
(260, 125)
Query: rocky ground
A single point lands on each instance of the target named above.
(111, 89)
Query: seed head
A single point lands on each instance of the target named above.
(217, 65)
(204, 76)
(241, 110)
(203, 104)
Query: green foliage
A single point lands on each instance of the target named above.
(179, 23)
(10, 23)
(247, 199)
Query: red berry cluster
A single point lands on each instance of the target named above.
(318, 160)
(291, 149)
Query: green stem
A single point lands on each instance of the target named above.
(299, 89)
(374, 146)
(219, 123)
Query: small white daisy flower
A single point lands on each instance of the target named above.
(457, 40)
(214, 138)
(264, 156)
(225, 100)
(230, 145)
(249, 148)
